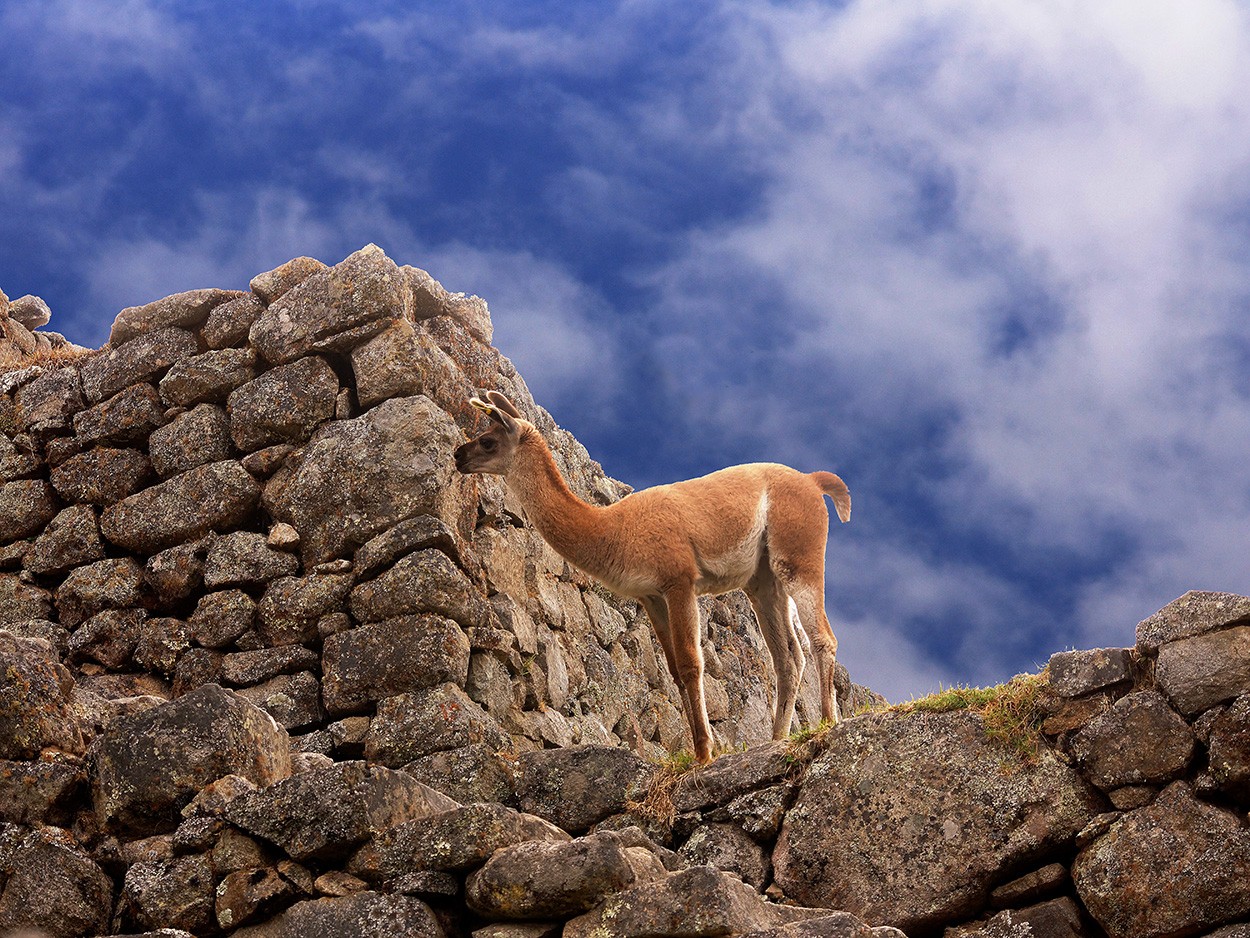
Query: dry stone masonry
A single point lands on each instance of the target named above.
(270, 667)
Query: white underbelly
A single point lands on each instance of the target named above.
(732, 569)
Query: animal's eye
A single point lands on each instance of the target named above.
(488, 444)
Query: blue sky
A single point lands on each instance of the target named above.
(987, 261)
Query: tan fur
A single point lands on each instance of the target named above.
(760, 527)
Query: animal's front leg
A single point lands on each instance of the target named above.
(683, 616)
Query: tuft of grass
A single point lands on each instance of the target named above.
(1009, 712)
(657, 803)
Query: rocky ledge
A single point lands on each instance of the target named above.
(270, 667)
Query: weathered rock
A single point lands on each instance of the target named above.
(294, 700)
(187, 309)
(1198, 673)
(19, 458)
(932, 786)
(172, 575)
(1175, 867)
(1140, 740)
(695, 902)
(250, 667)
(208, 378)
(1228, 748)
(1056, 918)
(406, 537)
(371, 662)
(426, 581)
(358, 477)
(52, 889)
(760, 813)
(333, 310)
(732, 775)
(249, 894)
(128, 417)
(1039, 884)
(31, 311)
(137, 360)
(1076, 673)
(453, 841)
(398, 362)
(196, 438)
(229, 323)
(363, 915)
(283, 405)
(409, 726)
(102, 475)
(1195, 613)
(327, 812)
(148, 766)
(105, 584)
(216, 497)
(26, 507)
(468, 774)
(543, 880)
(71, 539)
(245, 559)
(291, 607)
(109, 637)
(49, 402)
(174, 893)
(39, 792)
(431, 299)
(220, 618)
(21, 602)
(728, 848)
(273, 284)
(576, 788)
(160, 642)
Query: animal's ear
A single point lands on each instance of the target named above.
(495, 413)
(502, 402)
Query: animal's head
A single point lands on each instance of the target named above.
(493, 450)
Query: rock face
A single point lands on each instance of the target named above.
(934, 789)
(269, 666)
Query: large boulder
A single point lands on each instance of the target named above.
(327, 812)
(409, 726)
(26, 506)
(1199, 672)
(1195, 613)
(49, 887)
(217, 497)
(363, 915)
(427, 581)
(697, 902)
(187, 310)
(577, 787)
(371, 662)
(548, 880)
(146, 767)
(36, 706)
(283, 405)
(356, 478)
(1175, 867)
(929, 814)
(142, 358)
(1139, 740)
(333, 310)
(453, 841)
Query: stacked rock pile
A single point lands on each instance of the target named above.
(270, 667)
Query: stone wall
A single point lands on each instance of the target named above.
(269, 666)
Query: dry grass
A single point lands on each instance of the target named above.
(53, 357)
(657, 804)
(1009, 712)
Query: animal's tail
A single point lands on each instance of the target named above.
(836, 489)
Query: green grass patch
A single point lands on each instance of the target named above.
(1010, 712)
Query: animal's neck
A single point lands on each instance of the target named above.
(576, 530)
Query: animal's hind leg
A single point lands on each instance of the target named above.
(810, 602)
(772, 611)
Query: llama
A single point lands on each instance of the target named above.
(760, 527)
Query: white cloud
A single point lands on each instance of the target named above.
(924, 164)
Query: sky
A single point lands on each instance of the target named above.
(989, 262)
